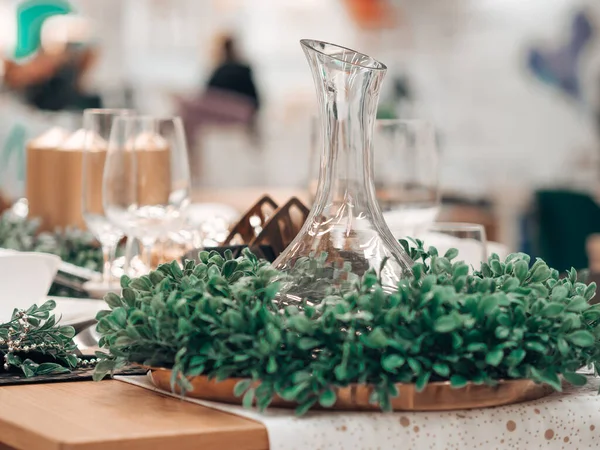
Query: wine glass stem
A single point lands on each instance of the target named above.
(148, 255)
(108, 256)
(128, 255)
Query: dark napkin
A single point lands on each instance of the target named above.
(81, 374)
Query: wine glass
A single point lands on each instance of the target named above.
(469, 238)
(97, 125)
(146, 185)
(406, 170)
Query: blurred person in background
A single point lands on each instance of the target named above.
(229, 99)
(53, 80)
(232, 75)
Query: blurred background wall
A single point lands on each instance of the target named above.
(465, 60)
(506, 125)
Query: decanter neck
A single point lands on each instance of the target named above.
(347, 94)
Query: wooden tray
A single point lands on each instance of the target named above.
(437, 396)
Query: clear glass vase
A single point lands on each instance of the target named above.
(345, 234)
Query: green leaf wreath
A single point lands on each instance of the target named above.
(508, 320)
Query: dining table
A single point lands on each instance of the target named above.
(129, 413)
(88, 415)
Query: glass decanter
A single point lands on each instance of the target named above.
(345, 234)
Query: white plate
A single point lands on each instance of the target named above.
(75, 310)
(198, 213)
(99, 289)
(25, 277)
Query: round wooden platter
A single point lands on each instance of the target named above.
(437, 396)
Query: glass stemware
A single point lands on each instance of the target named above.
(469, 238)
(146, 185)
(97, 126)
(406, 174)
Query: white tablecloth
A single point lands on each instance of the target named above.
(570, 419)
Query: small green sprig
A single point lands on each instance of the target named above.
(221, 318)
(33, 344)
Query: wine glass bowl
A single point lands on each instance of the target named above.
(93, 140)
(146, 185)
(406, 174)
(469, 238)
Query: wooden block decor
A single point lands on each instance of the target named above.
(251, 223)
(282, 227)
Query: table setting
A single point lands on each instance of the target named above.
(353, 321)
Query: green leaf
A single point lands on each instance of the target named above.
(301, 376)
(515, 357)
(293, 392)
(441, 369)
(272, 365)
(112, 300)
(510, 284)
(341, 373)
(521, 269)
(228, 268)
(50, 368)
(446, 324)
(494, 358)
(559, 293)
(67, 332)
(103, 368)
(578, 304)
(307, 343)
(496, 267)
(241, 387)
(548, 377)
(536, 347)
(428, 283)
(176, 269)
(129, 296)
(417, 270)
(460, 270)
(487, 305)
(458, 381)
(203, 256)
(125, 280)
(575, 379)
(573, 275)
(248, 398)
(422, 381)
(552, 309)
(502, 332)
(563, 346)
(392, 362)
(304, 407)
(540, 274)
(590, 291)
(118, 317)
(327, 398)
(376, 339)
(415, 366)
(581, 338)
(451, 253)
